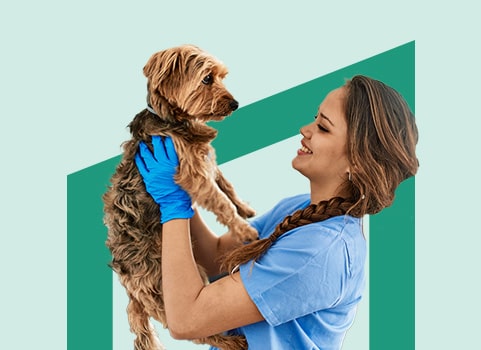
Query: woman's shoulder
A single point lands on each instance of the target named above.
(266, 222)
(340, 223)
(295, 202)
(342, 227)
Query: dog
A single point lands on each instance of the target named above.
(184, 91)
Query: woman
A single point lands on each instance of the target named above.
(296, 287)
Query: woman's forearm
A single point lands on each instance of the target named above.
(181, 281)
(193, 309)
(208, 248)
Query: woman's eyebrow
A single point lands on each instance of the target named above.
(325, 117)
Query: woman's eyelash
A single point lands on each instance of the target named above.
(322, 128)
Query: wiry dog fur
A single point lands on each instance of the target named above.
(185, 90)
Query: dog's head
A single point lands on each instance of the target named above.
(186, 82)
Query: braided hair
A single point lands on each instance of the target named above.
(312, 213)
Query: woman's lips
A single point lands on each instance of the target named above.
(303, 150)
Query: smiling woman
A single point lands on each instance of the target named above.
(296, 287)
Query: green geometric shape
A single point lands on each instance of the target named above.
(89, 279)
(392, 248)
(391, 273)
(263, 123)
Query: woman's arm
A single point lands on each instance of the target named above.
(194, 310)
(207, 246)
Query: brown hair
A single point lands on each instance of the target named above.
(382, 137)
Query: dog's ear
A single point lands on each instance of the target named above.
(161, 66)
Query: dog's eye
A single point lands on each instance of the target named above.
(208, 80)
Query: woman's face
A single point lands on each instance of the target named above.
(322, 157)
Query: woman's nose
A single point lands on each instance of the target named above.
(305, 131)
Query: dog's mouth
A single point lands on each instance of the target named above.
(214, 116)
(210, 118)
(217, 112)
(228, 107)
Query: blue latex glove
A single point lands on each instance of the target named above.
(158, 172)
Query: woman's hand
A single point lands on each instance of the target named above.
(158, 170)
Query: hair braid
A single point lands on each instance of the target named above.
(312, 213)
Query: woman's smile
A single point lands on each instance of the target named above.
(303, 150)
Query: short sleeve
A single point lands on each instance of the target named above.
(303, 272)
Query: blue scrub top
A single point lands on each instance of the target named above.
(307, 285)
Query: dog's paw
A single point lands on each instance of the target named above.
(245, 211)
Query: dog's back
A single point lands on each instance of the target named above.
(133, 221)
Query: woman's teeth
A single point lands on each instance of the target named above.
(305, 149)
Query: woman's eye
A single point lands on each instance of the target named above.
(207, 80)
(323, 129)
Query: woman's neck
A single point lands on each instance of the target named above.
(325, 192)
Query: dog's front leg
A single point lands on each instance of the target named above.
(213, 199)
(243, 209)
(198, 179)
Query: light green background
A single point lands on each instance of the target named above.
(70, 75)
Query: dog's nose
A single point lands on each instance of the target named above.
(234, 105)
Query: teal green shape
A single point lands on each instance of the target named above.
(391, 273)
(89, 280)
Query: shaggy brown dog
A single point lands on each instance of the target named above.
(185, 90)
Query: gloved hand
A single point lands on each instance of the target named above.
(158, 171)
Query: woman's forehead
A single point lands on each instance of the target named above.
(333, 103)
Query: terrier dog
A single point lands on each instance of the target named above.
(184, 91)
